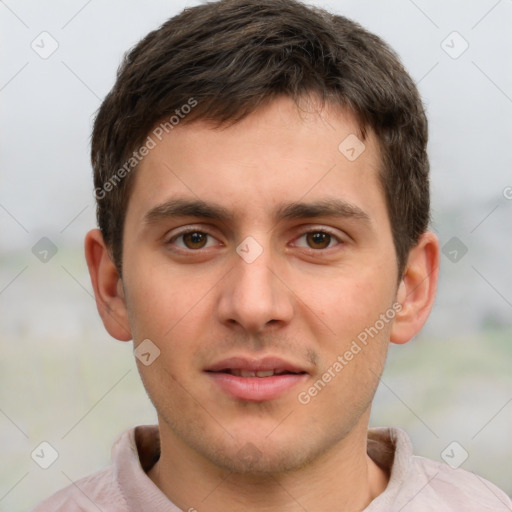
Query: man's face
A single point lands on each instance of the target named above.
(300, 262)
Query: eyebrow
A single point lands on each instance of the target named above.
(187, 208)
(322, 208)
(297, 210)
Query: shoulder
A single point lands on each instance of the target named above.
(418, 484)
(118, 487)
(98, 491)
(454, 489)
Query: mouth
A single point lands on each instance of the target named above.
(238, 372)
(255, 380)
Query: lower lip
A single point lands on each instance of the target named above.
(256, 389)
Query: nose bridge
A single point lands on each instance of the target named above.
(255, 276)
(252, 295)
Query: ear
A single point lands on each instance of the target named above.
(108, 287)
(417, 289)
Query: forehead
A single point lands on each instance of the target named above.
(278, 154)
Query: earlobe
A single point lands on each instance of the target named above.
(417, 289)
(108, 288)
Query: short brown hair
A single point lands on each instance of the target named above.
(224, 59)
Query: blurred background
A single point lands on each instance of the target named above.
(64, 381)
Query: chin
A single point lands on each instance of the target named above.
(259, 460)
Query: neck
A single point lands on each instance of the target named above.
(343, 478)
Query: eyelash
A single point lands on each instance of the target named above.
(325, 231)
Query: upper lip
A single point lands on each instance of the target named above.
(255, 365)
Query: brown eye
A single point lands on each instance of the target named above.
(195, 240)
(318, 239)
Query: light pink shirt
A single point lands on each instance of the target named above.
(416, 484)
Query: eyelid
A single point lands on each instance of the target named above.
(187, 228)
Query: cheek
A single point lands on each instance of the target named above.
(352, 359)
(162, 300)
(348, 303)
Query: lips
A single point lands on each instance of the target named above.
(248, 373)
(266, 364)
(255, 380)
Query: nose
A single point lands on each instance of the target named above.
(254, 294)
